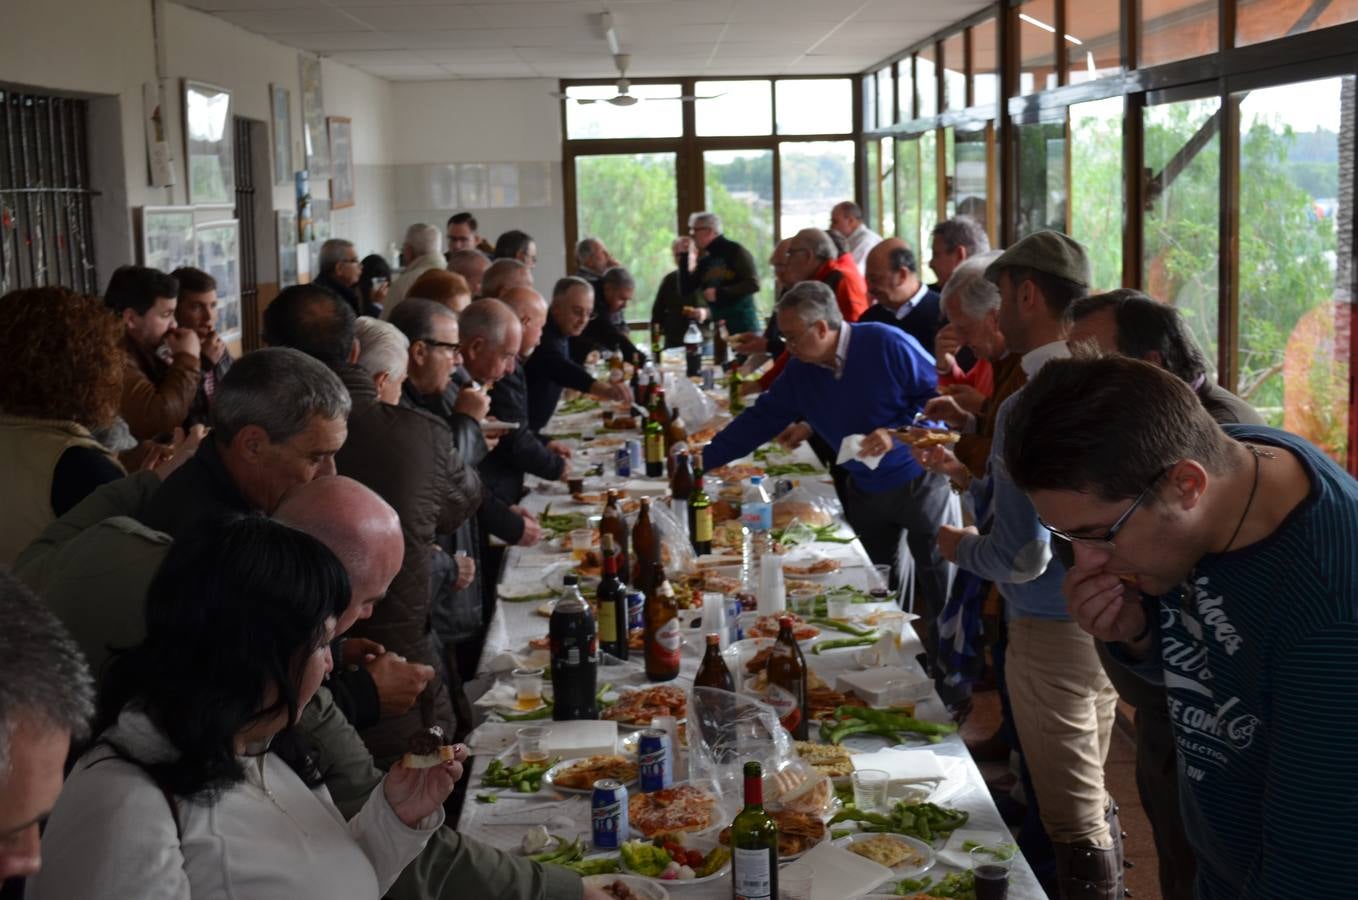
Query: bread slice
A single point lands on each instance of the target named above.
(428, 760)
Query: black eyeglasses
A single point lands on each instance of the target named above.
(1105, 540)
(452, 348)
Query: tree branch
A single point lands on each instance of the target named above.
(1247, 392)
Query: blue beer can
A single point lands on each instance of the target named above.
(634, 451)
(608, 814)
(709, 379)
(636, 610)
(622, 463)
(653, 756)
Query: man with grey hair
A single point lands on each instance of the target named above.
(550, 369)
(607, 331)
(503, 275)
(471, 265)
(340, 270)
(592, 259)
(849, 380)
(383, 353)
(724, 274)
(46, 701)
(952, 242)
(420, 252)
(846, 219)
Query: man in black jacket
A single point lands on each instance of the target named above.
(607, 331)
(550, 369)
(725, 275)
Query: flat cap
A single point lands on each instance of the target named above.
(1045, 251)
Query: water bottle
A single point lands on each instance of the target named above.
(756, 510)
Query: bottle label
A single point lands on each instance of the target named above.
(702, 524)
(784, 702)
(757, 516)
(655, 448)
(751, 874)
(608, 622)
(667, 640)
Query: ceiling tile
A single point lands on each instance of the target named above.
(397, 40)
(293, 21)
(214, 6)
(412, 18)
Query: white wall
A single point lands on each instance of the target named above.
(506, 121)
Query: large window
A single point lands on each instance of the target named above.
(971, 172)
(908, 192)
(886, 97)
(955, 72)
(738, 186)
(1042, 177)
(985, 63)
(1037, 46)
(1180, 224)
(814, 176)
(735, 107)
(659, 116)
(627, 200)
(814, 106)
(1293, 347)
(928, 199)
(926, 81)
(1096, 186)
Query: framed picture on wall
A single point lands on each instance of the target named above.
(285, 227)
(167, 237)
(315, 138)
(218, 246)
(280, 106)
(207, 140)
(341, 162)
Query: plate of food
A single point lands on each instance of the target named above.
(916, 436)
(813, 567)
(636, 708)
(577, 776)
(767, 626)
(681, 862)
(798, 832)
(828, 759)
(682, 808)
(906, 857)
(627, 887)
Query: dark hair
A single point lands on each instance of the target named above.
(567, 284)
(511, 243)
(313, 319)
(1057, 291)
(414, 317)
(463, 218)
(374, 266)
(1146, 326)
(1107, 426)
(193, 281)
(962, 231)
(903, 258)
(840, 241)
(280, 390)
(619, 277)
(231, 615)
(138, 288)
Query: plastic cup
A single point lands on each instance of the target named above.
(838, 606)
(527, 688)
(575, 485)
(881, 577)
(991, 870)
(869, 789)
(794, 881)
(581, 539)
(533, 743)
(803, 602)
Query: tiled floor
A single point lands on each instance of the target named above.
(1121, 781)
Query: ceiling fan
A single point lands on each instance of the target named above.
(624, 97)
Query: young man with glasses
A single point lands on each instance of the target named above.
(550, 369)
(1061, 700)
(1218, 562)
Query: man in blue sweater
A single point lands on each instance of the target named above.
(1243, 537)
(848, 379)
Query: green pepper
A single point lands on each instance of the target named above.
(487, 798)
(846, 627)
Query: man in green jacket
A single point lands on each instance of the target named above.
(725, 275)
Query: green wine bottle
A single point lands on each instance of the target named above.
(700, 512)
(754, 843)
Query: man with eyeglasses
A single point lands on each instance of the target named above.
(724, 274)
(340, 270)
(1061, 700)
(550, 369)
(463, 235)
(1217, 561)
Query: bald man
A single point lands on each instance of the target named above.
(531, 308)
(471, 265)
(504, 274)
(903, 300)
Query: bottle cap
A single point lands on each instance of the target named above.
(785, 621)
(570, 580)
(714, 640)
(756, 479)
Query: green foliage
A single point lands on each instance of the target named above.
(1096, 203)
(741, 192)
(629, 202)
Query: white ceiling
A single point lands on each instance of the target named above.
(419, 40)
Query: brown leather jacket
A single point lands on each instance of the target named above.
(156, 396)
(407, 456)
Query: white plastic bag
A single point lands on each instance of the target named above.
(727, 730)
(696, 408)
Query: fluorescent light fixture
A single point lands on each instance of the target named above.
(1051, 29)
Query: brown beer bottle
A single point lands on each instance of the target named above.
(712, 671)
(681, 485)
(613, 523)
(787, 681)
(645, 546)
(662, 636)
(676, 436)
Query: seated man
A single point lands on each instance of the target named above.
(592, 260)
(550, 369)
(607, 331)
(161, 370)
(420, 252)
(517, 245)
(472, 266)
(46, 702)
(197, 311)
(503, 275)
(903, 301)
(340, 271)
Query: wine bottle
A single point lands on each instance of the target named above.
(653, 436)
(645, 547)
(612, 522)
(754, 843)
(699, 512)
(611, 599)
(681, 486)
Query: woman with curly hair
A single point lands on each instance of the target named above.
(61, 376)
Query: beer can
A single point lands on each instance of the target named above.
(734, 607)
(622, 462)
(634, 451)
(709, 379)
(608, 814)
(653, 756)
(636, 609)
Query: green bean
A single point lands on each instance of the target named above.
(844, 642)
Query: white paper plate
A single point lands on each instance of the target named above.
(902, 871)
(645, 888)
(549, 779)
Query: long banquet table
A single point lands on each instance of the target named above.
(503, 823)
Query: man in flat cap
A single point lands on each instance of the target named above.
(1061, 701)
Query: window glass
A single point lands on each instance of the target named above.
(928, 200)
(1264, 20)
(737, 107)
(907, 192)
(949, 179)
(872, 204)
(597, 118)
(869, 107)
(1096, 187)
(1092, 39)
(644, 185)
(888, 183)
(738, 186)
(1037, 46)
(985, 78)
(905, 91)
(1170, 30)
(1182, 204)
(926, 81)
(1042, 177)
(955, 72)
(1294, 318)
(886, 97)
(814, 176)
(970, 169)
(816, 105)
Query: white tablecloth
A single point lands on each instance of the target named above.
(503, 823)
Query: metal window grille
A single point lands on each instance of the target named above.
(46, 236)
(245, 215)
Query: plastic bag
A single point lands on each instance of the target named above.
(810, 508)
(696, 408)
(676, 550)
(727, 730)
